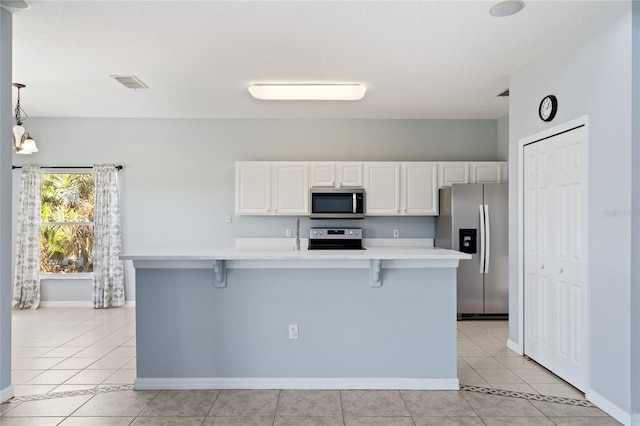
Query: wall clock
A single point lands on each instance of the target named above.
(548, 108)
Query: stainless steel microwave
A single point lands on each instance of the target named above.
(337, 203)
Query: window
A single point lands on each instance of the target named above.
(67, 223)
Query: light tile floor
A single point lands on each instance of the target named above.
(90, 356)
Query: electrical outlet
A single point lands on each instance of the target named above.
(293, 331)
(227, 219)
(396, 233)
(288, 232)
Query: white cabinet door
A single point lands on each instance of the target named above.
(336, 174)
(419, 189)
(291, 188)
(253, 188)
(555, 172)
(349, 174)
(323, 174)
(450, 173)
(382, 187)
(486, 172)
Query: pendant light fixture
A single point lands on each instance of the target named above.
(22, 142)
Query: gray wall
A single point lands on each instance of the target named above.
(5, 201)
(177, 185)
(502, 125)
(635, 224)
(188, 328)
(589, 70)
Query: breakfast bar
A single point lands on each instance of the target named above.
(266, 316)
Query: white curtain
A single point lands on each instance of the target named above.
(108, 271)
(26, 283)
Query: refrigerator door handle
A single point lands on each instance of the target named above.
(487, 239)
(482, 254)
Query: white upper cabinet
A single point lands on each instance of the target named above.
(349, 174)
(253, 188)
(486, 172)
(473, 172)
(450, 173)
(291, 188)
(337, 175)
(268, 188)
(419, 189)
(323, 174)
(392, 188)
(382, 188)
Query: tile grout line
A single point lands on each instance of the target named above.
(275, 413)
(407, 408)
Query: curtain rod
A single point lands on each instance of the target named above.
(65, 167)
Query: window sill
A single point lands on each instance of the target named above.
(87, 276)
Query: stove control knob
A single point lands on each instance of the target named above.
(315, 232)
(350, 232)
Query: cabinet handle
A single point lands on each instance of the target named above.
(542, 266)
(560, 270)
(405, 210)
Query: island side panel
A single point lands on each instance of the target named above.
(187, 328)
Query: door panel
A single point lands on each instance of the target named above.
(465, 200)
(496, 280)
(555, 254)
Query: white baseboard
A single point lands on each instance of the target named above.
(515, 347)
(77, 304)
(165, 383)
(66, 304)
(6, 393)
(612, 409)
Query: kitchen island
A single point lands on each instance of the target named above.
(382, 318)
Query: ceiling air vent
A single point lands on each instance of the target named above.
(503, 94)
(130, 81)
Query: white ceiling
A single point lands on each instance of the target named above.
(420, 59)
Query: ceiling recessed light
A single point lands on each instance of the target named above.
(506, 8)
(308, 92)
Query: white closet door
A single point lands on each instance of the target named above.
(555, 267)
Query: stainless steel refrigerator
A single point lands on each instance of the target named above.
(474, 219)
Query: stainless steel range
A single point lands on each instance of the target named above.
(335, 239)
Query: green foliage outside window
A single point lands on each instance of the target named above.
(67, 223)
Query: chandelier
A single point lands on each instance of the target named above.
(22, 142)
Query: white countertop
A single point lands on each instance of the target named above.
(278, 253)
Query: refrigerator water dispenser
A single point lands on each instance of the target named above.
(468, 242)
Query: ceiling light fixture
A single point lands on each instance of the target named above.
(308, 92)
(22, 142)
(15, 5)
(506, 8)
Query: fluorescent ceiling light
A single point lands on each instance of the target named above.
(506, 8)
(312, 92)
